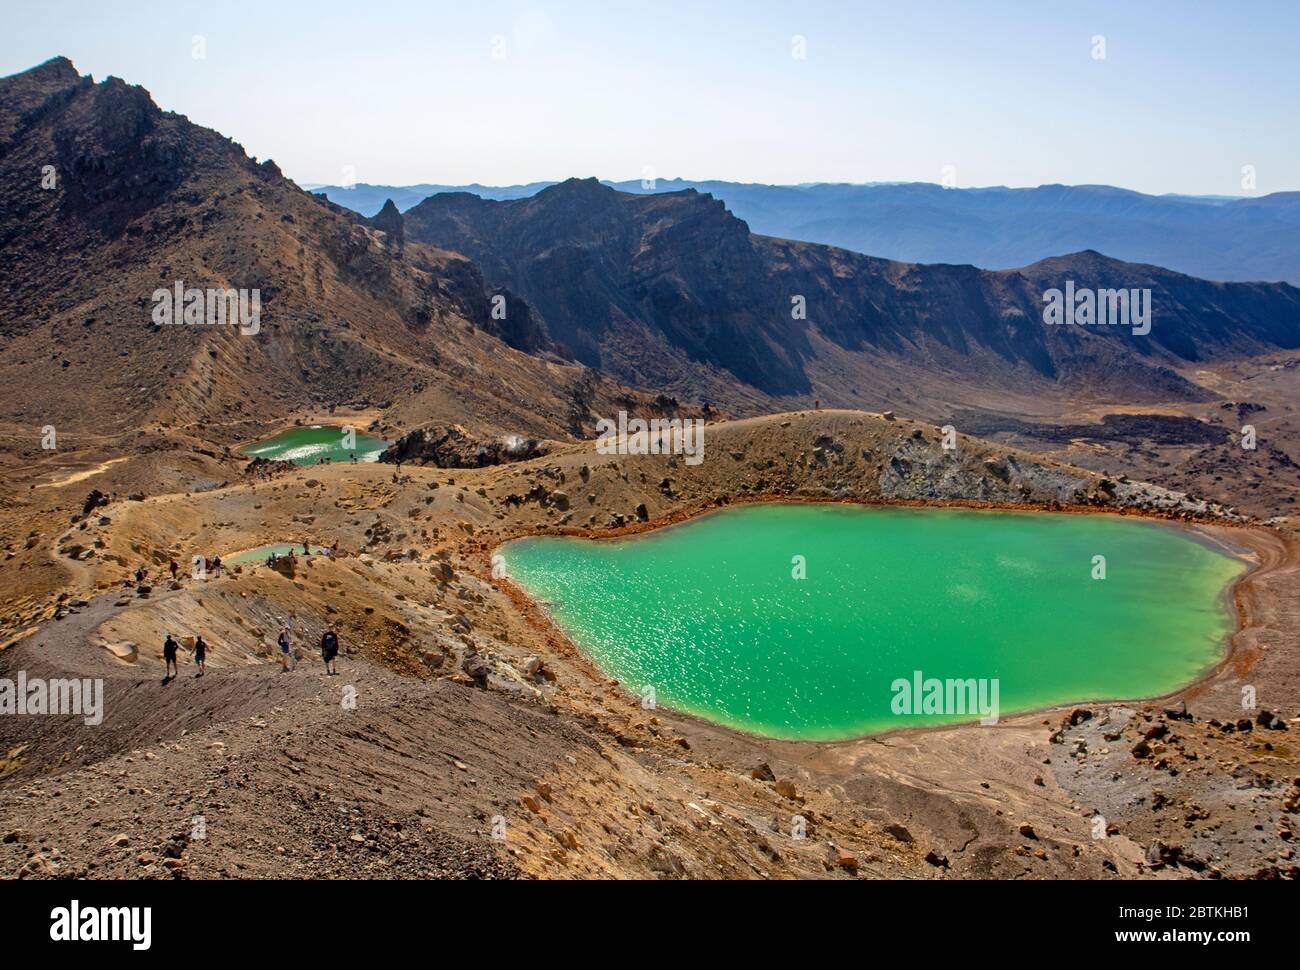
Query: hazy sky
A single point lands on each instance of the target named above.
(506, 91)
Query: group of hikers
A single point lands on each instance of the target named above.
(329, 647)
(171, 648)
(331, 551)
(329, 651)
(211, 563)
(329, 641)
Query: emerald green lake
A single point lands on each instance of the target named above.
(710, 617)
(260, 554)
(308, 445)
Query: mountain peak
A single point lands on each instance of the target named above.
(55, 69)
(390, 221)
(27, 90)
(578, 188)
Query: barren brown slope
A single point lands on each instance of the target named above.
(104, 199)
(586, 781)
(142, 199)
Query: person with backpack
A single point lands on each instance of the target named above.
(329, 650)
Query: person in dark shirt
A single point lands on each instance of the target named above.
(200, 654)
(329, 650)
(170, 647)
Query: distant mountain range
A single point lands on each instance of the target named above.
(669, 290)
(1212, 237)
(535, 314)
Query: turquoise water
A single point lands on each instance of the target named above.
(261, 552)
(710, 616)
(307, 446)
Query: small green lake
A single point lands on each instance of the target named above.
(260, 554)
(308, 445)
(995, 609)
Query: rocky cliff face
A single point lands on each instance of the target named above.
(644, 286)
(685, 283)
(105, 199)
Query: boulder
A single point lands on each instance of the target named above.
(94, 500)
(1267, 719)
(899, 832)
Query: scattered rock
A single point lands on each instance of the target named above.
(899, 832)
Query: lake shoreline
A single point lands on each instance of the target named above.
(1249, 552)
(367, 448)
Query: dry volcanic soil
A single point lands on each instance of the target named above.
(466, 736)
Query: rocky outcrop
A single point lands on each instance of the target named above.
(94, 500)
(266, 467)
(389, 221)
(916, 467)
(451, 446)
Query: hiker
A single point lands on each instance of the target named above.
(140, 574)
(284, 649)
(200, 653)
(216, 565)
(170, 647)
(174, 568)
(354, 457)
(329, 650)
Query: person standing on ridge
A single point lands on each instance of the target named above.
(284, 649)
(169, 655)
(200, 654)
(329, 650)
